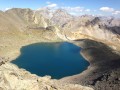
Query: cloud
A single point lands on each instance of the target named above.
(76, 10)
(7, 9)
(73, 9)
(116, 12)
(106, 9)
(87, 10)
(52, 5)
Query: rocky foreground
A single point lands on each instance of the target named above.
(13, 78)
(98, 37)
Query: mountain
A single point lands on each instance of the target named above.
(86, 26)
(96, 28)
(45, 12)
(59, 16)
(25, 26)
(104, 29)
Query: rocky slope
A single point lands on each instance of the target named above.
(19, 27)
(95, 28)
(13, 78)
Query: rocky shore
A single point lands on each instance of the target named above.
(13, 78)
(104, 70)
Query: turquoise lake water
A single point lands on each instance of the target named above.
(55, 59)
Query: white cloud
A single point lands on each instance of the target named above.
(87, 10)
(73, 13)
(76, 9)
(106, 9)
(116, 12)
(52, 5)
(7, 9)
(73, 9)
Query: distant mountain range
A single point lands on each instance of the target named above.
(66, 26)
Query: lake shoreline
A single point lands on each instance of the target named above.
(104, 62)
(59, 55)
(90, 76)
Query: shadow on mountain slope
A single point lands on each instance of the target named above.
(104, 70)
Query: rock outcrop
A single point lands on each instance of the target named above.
(13, 78)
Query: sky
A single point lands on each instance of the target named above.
(75, 7)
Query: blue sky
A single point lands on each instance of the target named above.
(76, 7)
